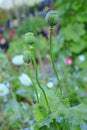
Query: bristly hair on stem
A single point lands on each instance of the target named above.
(34, 86)
(39, 85)
(52, 60)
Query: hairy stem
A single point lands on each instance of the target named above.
(52, 60)
(35, 66)
(34, 86)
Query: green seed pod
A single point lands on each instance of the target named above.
(29, 38)
(52, 18)
(27, 57)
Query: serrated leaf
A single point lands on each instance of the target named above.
(73, 32)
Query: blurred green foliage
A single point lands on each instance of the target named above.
(3, 17)
(73, 20)
(68, 112)
(31, 25)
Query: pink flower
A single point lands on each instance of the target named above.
(69, 61)
(86, 90)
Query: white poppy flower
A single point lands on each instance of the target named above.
(50, 84)
(81, 58)
(3, 90)
(17, 60)
(24, 79)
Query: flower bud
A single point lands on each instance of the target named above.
(27, 57)
(52, 18)
(29, 38)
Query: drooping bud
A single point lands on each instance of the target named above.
(52, 18)
(29, 38)
(27, 57)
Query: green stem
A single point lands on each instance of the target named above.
(34, 86)
(35, 66)
(52, 60)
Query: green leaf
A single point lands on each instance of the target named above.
(77, 47)
(73, 32)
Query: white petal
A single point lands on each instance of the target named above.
(3, 90)
(81, 58)
(25, 80)
(17, 60)
(50, 84)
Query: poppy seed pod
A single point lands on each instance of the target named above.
(29, 38)
(27, 57)
(52, 18)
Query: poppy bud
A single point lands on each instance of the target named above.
(29, 38)
(27, 57)
(52, 18)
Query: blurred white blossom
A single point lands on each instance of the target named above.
(50, 84)
(24, 79)
(3, 90)
(81, 58)
(17, 60)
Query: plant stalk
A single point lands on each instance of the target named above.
(34, 86)
(52, 60)
(35, 66)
